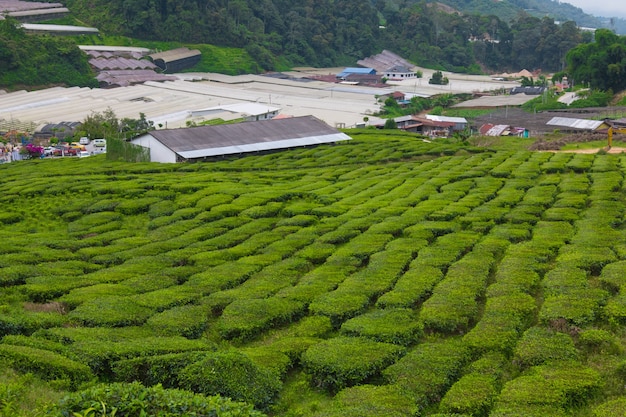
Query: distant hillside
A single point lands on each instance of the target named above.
(510, 9)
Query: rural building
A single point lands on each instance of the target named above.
(569, 124)
(489, 129)
(60, 30)
(529, 91)
(207, 142)
(176, 60)
(422, 126)
(385, 60)
(399, 72)
(60, 130)
(459, 123)
(351, 71)
(32, 11)
(250, 112)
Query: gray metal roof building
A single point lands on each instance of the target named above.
(204, 142)
(176, 59)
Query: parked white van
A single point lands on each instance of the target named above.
(99, 143)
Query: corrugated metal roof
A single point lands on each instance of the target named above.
(244, 137)
(252, 109)
(174, 54)
(446, 119)
(58, 28)
(497, 130)
(265, 146)
(584, 124)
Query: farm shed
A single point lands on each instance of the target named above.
(386, 59)
(176, 59)
(248, 111)
(205, 142)
(423, 126)
(61, 30)
(529, 91)
(571, 124)
(489, 129)
(459, 123)
(349, 71)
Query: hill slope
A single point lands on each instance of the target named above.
(379, 277)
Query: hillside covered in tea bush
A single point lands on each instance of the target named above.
(381, 277)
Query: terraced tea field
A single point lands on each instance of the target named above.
(381, 277)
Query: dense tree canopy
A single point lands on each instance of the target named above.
(40, 60)
(339, 32)
(601, 64)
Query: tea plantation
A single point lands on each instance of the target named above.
(381, 277)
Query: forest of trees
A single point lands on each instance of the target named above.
(321, 33)
(339, 32)
(38, 61)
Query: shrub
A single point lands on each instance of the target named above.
(246, 318)
(539, 345)
(110, 311)
(414, 286)
(473, 394)
(611, 408)
(45, 364)
(134, 399)
(155, 369)
(371, 401)
(398, 326)
(345, 361)
(231, 374)
(188, 321)
(428, 370)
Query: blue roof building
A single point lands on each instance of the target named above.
(356, 70)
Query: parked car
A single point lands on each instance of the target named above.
(99, 143)
(84, 140)
(83, 154)
(65, 151)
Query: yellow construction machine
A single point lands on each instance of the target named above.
(614, 130)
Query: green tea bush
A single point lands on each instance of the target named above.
(564, 279)
(397, 326)
(429, 370)
(577, 307)
(231, 374)
(45, 364)
(613, 276)
(412, 288)
(552, 388)
(111, 311)
(615, 309)
(340, 305)
(540, 345)
(473, 394)
(225, 275)
(189, 321)
(135, 206)
(599, 341)
(503, 320)
(124, 399)
(246, 318)
(345, 361)
(612, 408)
(155, 369)
(371, 401)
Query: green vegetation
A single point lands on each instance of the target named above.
(38, 61)
(382, 276)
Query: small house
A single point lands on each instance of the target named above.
(399, 72)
